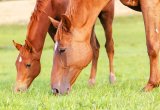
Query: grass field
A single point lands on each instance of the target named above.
(131, 66)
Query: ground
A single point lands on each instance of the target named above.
(131, 68)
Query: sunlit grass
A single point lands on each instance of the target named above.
(131, 67)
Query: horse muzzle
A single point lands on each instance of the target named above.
(61, 89)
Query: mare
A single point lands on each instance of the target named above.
(28, 61)
(74, 37)
(74, 51)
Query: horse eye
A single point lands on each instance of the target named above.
(28, 65)
(61, 50)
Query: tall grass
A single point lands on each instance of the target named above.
(131, 67)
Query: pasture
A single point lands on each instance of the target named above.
(131, 67)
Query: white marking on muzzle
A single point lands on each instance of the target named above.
(20, 59)
(55, 46)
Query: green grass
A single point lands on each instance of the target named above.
(131, 67)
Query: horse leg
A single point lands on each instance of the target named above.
(151, 14)
(52, 31)
(106, 18)
(95, 47)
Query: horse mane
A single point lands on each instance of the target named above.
(72, 9)
(77, 7)
(38, 9)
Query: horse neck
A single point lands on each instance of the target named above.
(37, 32)
(38, 27)
(83, 13)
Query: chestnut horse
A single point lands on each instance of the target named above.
(150, 10)
(74, 51)
(28, 60)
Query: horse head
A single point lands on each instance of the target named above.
(72, 53)
(27, 65)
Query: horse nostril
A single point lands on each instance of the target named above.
(68, 89)
(55, 91)
(62, 50)
(16, 90)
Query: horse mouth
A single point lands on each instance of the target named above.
(21, 88)
(62, 90)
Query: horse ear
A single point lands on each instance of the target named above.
(54, 22)
(18, 46)
(28, 46)
(66, 22)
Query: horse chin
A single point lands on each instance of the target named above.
(64, 84)
(22, 86)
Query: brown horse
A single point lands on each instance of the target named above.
(151, 14)
(74, 52)
(73, 38)
(28, 60)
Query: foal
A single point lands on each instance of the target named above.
(28, 60)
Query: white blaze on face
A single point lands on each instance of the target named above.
(157, 31)
(55, 46)
(20, 59)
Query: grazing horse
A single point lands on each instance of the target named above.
(28, 61)
(151, 15)
(74, 52)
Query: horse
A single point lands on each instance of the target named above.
(73, 52)
(28, 61)
(151, 16)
